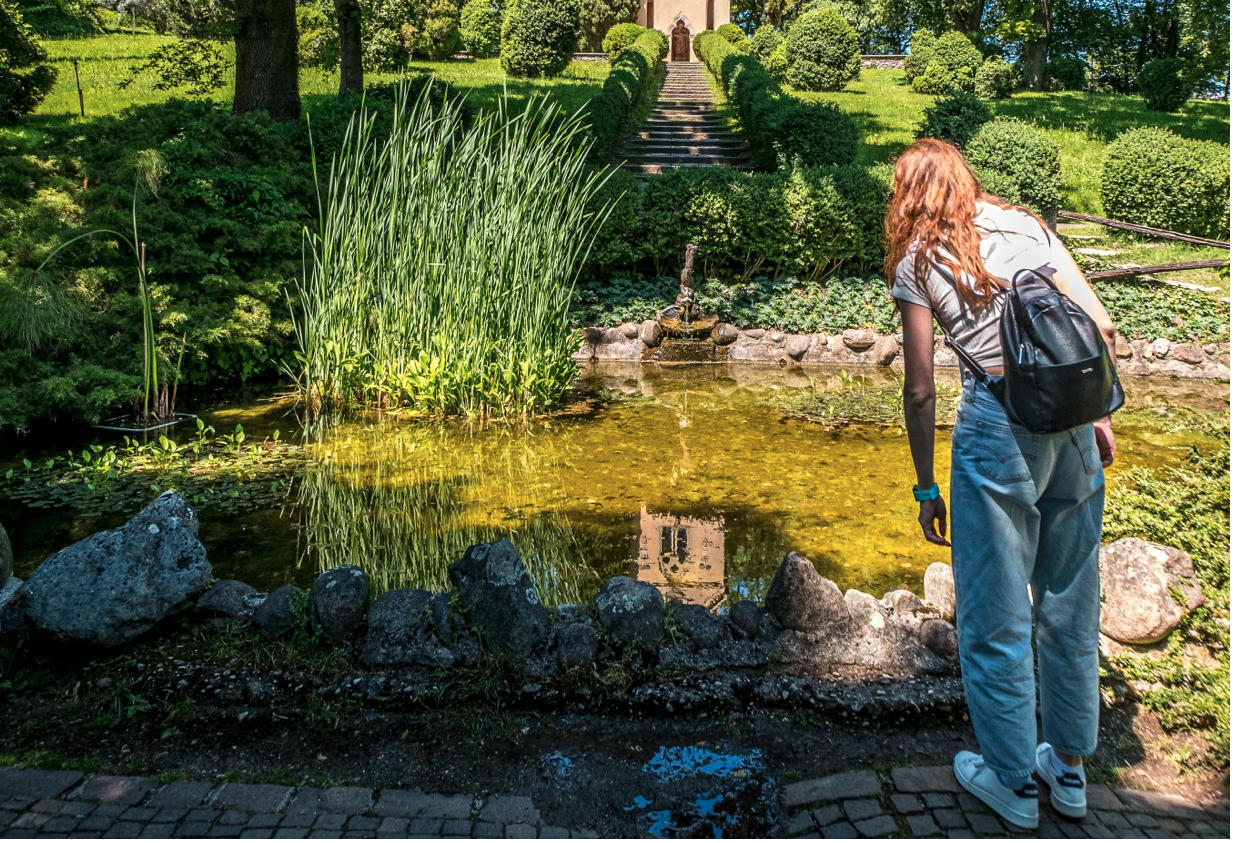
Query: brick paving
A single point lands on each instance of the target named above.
(929, 802)
(59, 804)
(905, 802)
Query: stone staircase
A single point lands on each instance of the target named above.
(685, 128)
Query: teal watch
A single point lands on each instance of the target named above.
(929, 494)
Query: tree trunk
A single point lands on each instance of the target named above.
(1035, 50)
(267, 64)
(351, 77)
(966, 14)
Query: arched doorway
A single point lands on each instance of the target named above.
(680, 42)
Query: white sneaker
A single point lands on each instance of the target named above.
(1018, 807)
(1067, 790)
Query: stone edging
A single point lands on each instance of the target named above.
(862, 347)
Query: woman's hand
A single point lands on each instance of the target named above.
(1105, 441)
(933, 520)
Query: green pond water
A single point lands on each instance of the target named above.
(693, 479)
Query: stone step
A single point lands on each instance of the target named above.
(667, 140)
(656, 169)
(706, 150)
(689, 159)
(682, 120)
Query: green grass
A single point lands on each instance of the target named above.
(104, 60)
(1084, 240)
(888, 112)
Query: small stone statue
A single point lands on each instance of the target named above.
(687, 306)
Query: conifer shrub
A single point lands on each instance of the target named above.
(1067, 73)
(25, 75)
(995, 79)
(538, 36)
(1022, 162)
(766, 39)
(1154, 177)
(731, 33)
(480, 28)
(822, 51)
(920, 50)
(952, 66)
(955, 118)
(1163, 85)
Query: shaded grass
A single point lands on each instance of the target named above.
(104, 61)
(887, 112)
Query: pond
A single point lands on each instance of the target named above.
(694, 479)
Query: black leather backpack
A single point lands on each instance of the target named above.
(1057, 371)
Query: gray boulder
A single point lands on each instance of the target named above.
(699, 625)
(866, 609)
(230, 599)
(499, 598)
(6, 557)
(575, 643)
(801, 599)
(940, 589)
(1138, 582)
(796, 346)
(115, 585)
(337, 601)
(939, 637)
(650, 333)
(400, 631)
(745, 618)
(279, 614)
(631, 612)
(12, 609)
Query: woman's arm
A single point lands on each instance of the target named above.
(919, 412)
(1072, 283)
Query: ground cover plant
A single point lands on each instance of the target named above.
(471, 315)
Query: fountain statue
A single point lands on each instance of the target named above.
(686, 328)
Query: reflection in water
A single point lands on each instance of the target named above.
(403, 502)
(683, 557)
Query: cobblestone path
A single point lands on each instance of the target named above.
(906, 802)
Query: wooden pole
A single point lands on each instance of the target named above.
(1143, 229)
(81, 99)
(1131, 271)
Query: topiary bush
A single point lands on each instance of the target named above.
(920, 50)
(1154, 177)
(319, 45)
(1067, 74)
(439, 37)
(952, 66)
(619, 37)
(822, 51)
(995, 80)
(777, 63)
(480, 28)
(627, 81)
(538, 36)
(1024, 162)
(766, 39)
(781, 130)
(731, 33)
(1163, 85)
(955, 118)
(25, 76)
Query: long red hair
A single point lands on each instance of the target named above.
(935, 200)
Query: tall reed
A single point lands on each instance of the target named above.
(442, 269)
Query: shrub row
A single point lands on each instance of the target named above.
(1154, 177)
(781, 130)
(806, 221)
(633, 70)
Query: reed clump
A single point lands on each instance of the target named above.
(442, 269)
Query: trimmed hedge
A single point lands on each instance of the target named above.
(1163, 85)
(781, 130)
(1154, 177)
(995, 80)
(1019, 164)
(808, 221)
(538, 36)
(1067, 74)
(732, 33)
(955, 118)
(480, 27)
(822, 51)
(633, 70)
(952, 65)
(620, 36)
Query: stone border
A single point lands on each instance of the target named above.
(634, 341)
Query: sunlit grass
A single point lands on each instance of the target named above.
(1089, 240)
(888, 112)
(105, 60)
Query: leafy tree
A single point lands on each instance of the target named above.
(480, 27)
(58, 18)
(25, 76)
(599, 16)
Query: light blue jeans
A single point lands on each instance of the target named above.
(1026, 513)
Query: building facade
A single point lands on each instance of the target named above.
(681, 20)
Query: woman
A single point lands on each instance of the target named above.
(1026, 507)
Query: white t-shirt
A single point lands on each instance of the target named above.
(1011, 240)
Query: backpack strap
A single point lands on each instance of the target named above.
(979, 372)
